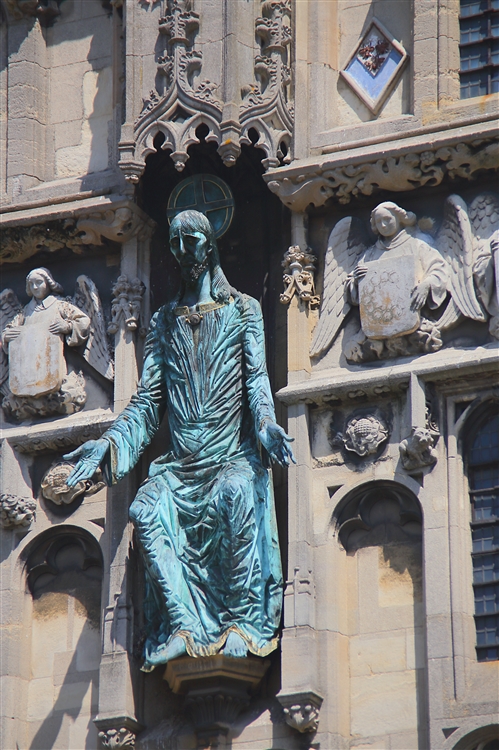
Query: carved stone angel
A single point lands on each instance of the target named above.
(34, 377)
(402, 282)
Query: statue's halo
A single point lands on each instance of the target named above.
(207, 194)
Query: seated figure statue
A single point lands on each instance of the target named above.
(205, 517)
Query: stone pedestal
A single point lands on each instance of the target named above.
(216, 688)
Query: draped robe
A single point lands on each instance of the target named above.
(205, 516)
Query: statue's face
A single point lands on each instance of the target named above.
(38, 286)
(191, 249)
(386, 222)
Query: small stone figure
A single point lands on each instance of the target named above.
(409, 287)
(298, 277)
(205, 517)
(417, 451)
(33, 341)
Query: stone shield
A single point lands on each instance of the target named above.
(385, 298)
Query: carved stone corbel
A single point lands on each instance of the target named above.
(118, 224)
(301, 710)
(126, 307)
(298, 277)
(114, 738)
(16, 512)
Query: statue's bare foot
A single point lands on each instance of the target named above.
(175, 648)
(235, 646)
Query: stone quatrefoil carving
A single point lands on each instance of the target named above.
(189, 100)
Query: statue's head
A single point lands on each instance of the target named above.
(40, 283)
(388, 219)
(194, 245)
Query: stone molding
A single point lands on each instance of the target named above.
(264, 107)
(399, 166)
(16, 512)
(301, 710)
(69, 433)
(72, 225)
(334, 385)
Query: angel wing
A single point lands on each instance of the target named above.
(9, 307)
(345, 244)
(455, 242)
(484, 219)
(96, 350)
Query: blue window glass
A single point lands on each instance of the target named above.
(479, 27)
(483, 471)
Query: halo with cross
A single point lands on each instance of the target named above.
(205, 193)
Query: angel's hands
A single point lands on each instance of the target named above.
(90, 456)
(11, 333)
(275, 440)
(419, 295)
(61, 326)
(359, 272)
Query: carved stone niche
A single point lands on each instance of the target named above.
(301, 710)
(216, 688)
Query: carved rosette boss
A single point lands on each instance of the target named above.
(16, 511)
(363, 435)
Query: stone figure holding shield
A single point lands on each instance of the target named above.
(204, 517)
(410, 286)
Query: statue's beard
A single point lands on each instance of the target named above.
(191, 274)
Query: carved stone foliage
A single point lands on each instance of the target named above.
(55, 489)
(126, 308)
(115, 738)
(114, 221)
(184, 105)
(16, 511)
(397, 173)
(265, 105)
(363, 435)
(298, 277)
(409, 286)
(417, 451)
(301, 710)
(188, 100)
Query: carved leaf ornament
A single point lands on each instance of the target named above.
(189, 101)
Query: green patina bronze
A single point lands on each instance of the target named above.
(205, 515)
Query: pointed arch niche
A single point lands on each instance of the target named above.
(379, 531)
(64, 574)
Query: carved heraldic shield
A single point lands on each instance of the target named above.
(385, 298)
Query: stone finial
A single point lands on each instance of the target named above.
(301, 710)
(127, 304)
(298, 277)
(115, 738)
(16, 511)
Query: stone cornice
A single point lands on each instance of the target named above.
(398, 166)
(84, 222)
(337, 384)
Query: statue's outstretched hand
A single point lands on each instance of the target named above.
(89, 456)
(275, 440)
